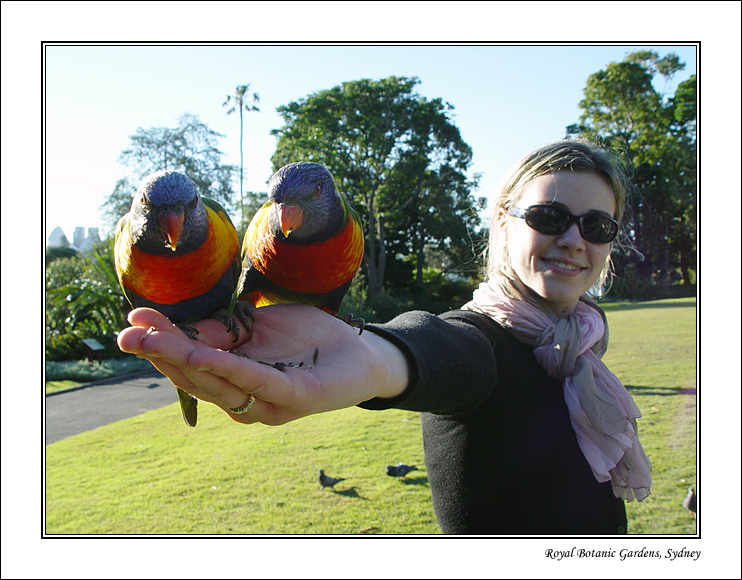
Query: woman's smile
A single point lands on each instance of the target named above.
(562, 265)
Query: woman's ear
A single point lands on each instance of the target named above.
(502, 222)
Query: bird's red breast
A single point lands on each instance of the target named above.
(316, 268)
(171, 278)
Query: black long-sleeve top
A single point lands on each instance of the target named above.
(500, 452)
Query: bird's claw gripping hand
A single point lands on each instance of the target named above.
(189, 330)
(242, 311)
(358, 323)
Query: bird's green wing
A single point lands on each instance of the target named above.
(216, 206)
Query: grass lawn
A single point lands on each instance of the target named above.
(653, 351)
(63, 385)
(152, 475)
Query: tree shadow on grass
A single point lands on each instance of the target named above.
(661, 391)
(610, 307)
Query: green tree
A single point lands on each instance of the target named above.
(56, 253)
(117, 203)
(238, 102)
(656, 134)
(86, 290)
(432, 238)
(398, 157)
(191, 148)
(84, 299)
(683, 105)
(61, 273)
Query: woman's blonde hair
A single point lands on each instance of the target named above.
(566, 155)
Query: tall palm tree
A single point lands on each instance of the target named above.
(238, 102)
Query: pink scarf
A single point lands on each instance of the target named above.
(602, 413)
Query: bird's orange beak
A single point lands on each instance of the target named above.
(171, 225)
(291, 218)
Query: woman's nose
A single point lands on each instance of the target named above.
(572, 238)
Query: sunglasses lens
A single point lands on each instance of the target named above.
(547, 220)
(598, 229)
(553, 221)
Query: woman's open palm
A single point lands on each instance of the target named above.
(323, 363)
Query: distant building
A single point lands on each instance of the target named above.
(78, 238)
(80, 242)
(57, 239)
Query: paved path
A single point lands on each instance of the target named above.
(71, 412)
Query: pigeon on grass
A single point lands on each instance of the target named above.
(327, 481)
(399, 470)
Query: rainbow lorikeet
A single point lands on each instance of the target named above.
(304, 245)
(178, 252)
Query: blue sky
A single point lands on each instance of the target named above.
(507, 99)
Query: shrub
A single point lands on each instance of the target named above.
(84, 371)
(61, 347)
(69, 346)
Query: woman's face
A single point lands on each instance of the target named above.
(559, 268)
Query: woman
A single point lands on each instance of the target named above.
(524, 429)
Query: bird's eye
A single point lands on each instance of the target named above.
(318, 189)
(193, 203)
(143, 200)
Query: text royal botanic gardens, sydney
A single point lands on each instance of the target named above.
(622, 554)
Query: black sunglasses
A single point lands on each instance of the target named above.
(552, 221)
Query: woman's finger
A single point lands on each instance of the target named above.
(208, 332)
(258, 378)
